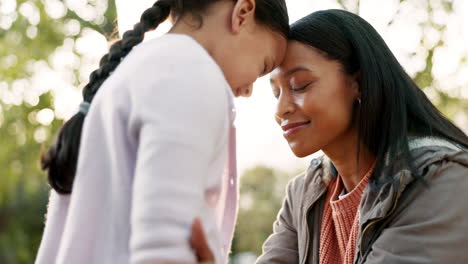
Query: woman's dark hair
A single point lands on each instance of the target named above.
(393, 108)
(60, 160)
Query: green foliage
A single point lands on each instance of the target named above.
(261, 195)
(21, 224)
(451, 104)
(27, 119)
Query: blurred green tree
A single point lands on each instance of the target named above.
(31, 32)
(435, 14)
(260, 199)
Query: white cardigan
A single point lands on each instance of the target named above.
(152, 156)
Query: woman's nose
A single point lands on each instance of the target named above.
(284, 108)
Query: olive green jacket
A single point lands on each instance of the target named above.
(409, 222)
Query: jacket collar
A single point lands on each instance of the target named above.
(425, 151)
(377, 204)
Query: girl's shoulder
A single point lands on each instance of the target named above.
(172, 58)
(172, 61)
(175, 52)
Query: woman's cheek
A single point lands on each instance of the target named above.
(299, 100)
(307, 103)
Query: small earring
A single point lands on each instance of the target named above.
(359, 101)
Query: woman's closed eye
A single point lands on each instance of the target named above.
(300, 88)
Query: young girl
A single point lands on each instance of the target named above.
(155, 136)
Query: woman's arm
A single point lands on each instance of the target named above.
(199, 245)
(281, 246)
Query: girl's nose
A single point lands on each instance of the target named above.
(246, 91)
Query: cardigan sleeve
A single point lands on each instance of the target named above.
(176, 145)
(57, 211)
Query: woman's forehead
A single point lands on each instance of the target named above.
(299, 58)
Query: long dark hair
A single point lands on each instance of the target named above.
(393, 108)
(60, 160)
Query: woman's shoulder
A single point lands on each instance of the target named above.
(442, 164)
(418, 211)
(437, 152)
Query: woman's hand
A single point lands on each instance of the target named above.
(199, 244)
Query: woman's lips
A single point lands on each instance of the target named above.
(292, 128)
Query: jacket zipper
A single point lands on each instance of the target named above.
(308, 230)
(361, 251)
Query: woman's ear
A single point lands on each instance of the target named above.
(242, 15)
(356, 84)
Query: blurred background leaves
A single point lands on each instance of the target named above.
(37, 38)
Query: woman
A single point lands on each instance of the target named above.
(391, 187)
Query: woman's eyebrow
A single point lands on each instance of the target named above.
(294, 70)
(290, 72)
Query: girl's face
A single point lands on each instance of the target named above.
(244, 48)
(255, 55)
(316, 99)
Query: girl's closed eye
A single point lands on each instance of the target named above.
(265, 69)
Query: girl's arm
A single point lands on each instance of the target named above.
(57, 211)
(178, 119)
